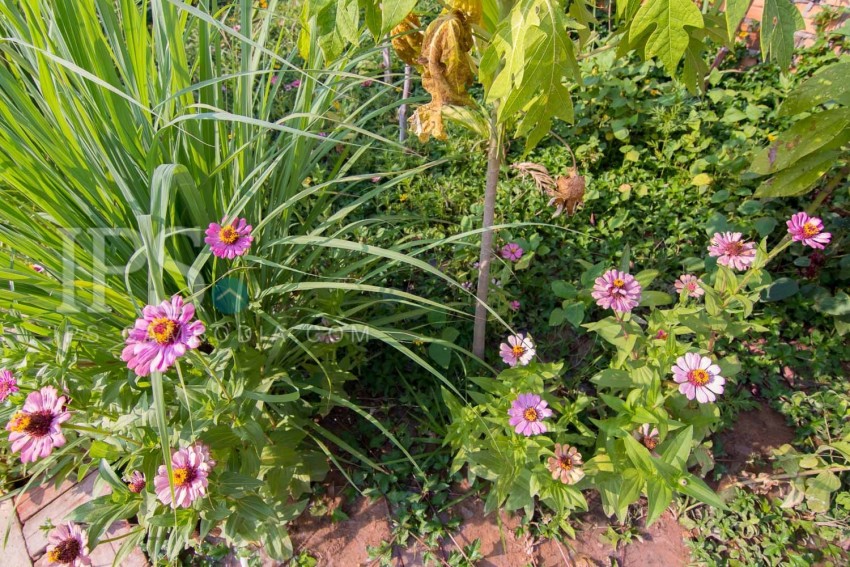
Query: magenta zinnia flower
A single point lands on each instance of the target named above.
(135, 482)
(616, 290)
(8, 385)
(162, 335)
(190, 468)
(566, 464)
(37, 267)
(691, 284)
(698, 377)
(808, 230)
(648, 436)
(514, 305)
(67, 545)
(35, 430)
(519, 350)
(228, 240)
(731, 251)
(527, 414)
(512, 251)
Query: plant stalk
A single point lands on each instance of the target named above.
(402, 110)
(494, 162)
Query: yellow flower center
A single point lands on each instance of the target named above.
(19, 422)
(162, 330)
(183, 476)
(649, 442)
(530, 414)
(810, 229)
(619, 283)
(228, 234)
(698, 377)
(518, 350)
(735, 248)
(65, 552)
(565, 463)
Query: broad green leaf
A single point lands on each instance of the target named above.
(633, 482)
(574, 313)
(655, 298)
(780, 289)
(666, 21)
(696, 488)
(799, 179)
(735, 12)
(659, 496)
(779, 21)
(677, 451)
(806, 136)
(393, 12)
(836, 305)
(828, 84)
(638, 455)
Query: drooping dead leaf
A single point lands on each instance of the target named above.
(447, 72)
(539, 174)
(407, 40)
(568, 194)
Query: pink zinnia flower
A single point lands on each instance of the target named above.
(190, 468)
(527, 414)
(162, 335)
(731, 251)
(698, 377)
(35, 430)
(135, 482)
(566, 464)
(376, 179)
(514, 305)
(519, 350)
(228, 240)
(661, 335)
(67, 545)
(808, 230)
(616, 290)
(37, 267)
(691, 284)
(512, 251)
(274, 80)
(8, 385)
(648, 436)
(367, 83)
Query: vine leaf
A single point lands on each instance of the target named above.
(667, 19)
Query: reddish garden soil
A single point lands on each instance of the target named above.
(752, 439)
(344, 544)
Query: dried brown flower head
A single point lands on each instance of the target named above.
(407, 39)
(568, 194)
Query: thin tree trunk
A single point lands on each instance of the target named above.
(388, 65)
(402, 110)
(494, 160)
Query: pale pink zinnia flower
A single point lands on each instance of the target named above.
(648, 436)
(512, 251)
(514, 305)
(37, 267)
(135, 482)
(67, 545)
(35, 430)
(190, 468)
(566, 464)
(616, 290)
(698, 377)
(228, 240)
(8, 384)
(691, 284)
(518, 351)
(808, 230)
(731, 251)
(527, 414)
(162, 335)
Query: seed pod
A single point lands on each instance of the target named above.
(569, 193)
(407, 39)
